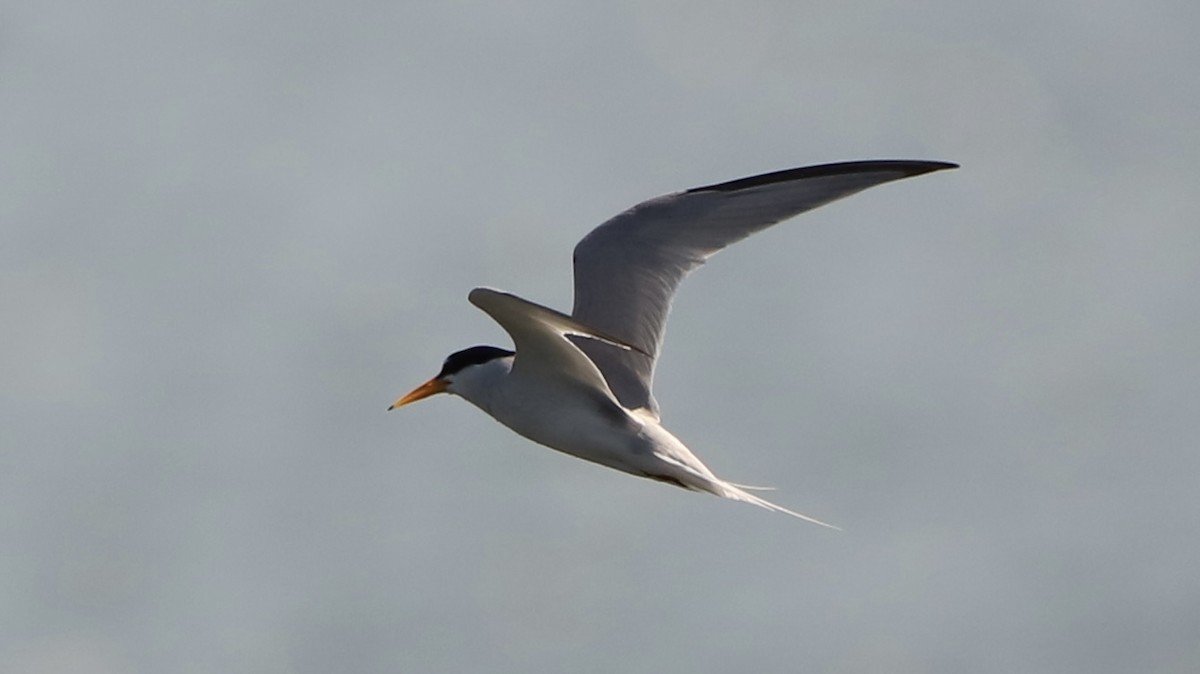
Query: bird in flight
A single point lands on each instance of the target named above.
(580, 383)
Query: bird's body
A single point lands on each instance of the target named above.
(588, 423)
(581, 383)
(584, 422)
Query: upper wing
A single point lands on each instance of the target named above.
(539, 335)
(627, 269)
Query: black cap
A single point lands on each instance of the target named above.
(474, 355)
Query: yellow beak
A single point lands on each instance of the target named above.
(432, 387)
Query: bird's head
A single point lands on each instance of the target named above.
(456, 365)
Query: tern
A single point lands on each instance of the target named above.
(581, 384)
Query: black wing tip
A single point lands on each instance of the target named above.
(907, 167)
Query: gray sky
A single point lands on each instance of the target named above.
(233, 232)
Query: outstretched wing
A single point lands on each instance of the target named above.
(627, 269)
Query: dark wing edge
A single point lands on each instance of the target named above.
(908, 168)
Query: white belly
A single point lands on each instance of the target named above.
(582, 421)
(577, 423)
(599, 430)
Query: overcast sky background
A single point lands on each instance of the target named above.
(234, 232)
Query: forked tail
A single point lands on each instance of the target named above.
(696, 476)
(734, 492)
